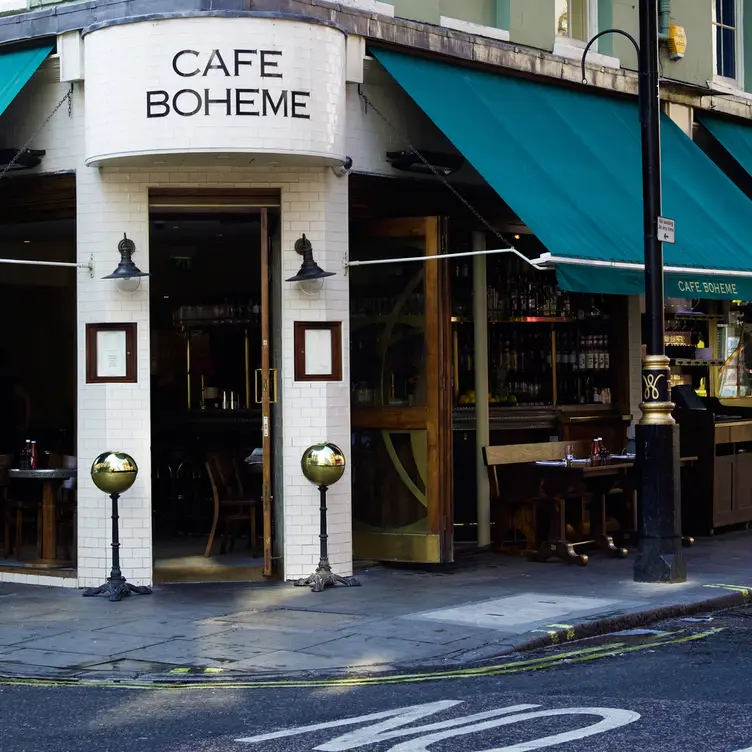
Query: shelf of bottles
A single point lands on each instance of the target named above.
(689, 341)
(546, 346)
(217, 314)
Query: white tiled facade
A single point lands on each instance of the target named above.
(112, 200)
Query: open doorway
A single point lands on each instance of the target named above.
(212, 393)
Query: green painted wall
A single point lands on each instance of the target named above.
(747, 31)
(532, 23)
(502, 14)
(623, 16)
(478, 11)
(430, 11)
(698, 65)
(529, 22)
(606, 21)
(418, 10)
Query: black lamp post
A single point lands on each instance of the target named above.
(660, 557)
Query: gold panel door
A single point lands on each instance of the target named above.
(401, 407)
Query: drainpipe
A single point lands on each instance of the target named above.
(664, 19)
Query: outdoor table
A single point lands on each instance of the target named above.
(50, 479)
(583, 477)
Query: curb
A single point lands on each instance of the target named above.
(556, 638)
(633, 620)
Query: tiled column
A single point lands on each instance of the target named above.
(315, 411)
(113, 416)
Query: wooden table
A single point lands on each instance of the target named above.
(50, 479)
(582, 479)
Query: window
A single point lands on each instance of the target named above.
(726, 26)
(573, 19)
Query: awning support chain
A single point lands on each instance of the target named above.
(367, 103)
(69, 98)
(442, 256)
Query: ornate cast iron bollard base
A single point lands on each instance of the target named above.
(323, 577)
(117, 589)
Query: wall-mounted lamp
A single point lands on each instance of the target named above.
(127, 274)
(310, 277)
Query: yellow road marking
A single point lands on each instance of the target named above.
(744, 590)
(510, 667)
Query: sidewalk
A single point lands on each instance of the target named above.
(476, 610)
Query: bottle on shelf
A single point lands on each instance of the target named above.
(33, 456)
(25, 457)
(582, 356)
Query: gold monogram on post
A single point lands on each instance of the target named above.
(651, 381)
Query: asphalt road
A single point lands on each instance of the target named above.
(686, 689)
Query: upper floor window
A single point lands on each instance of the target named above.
(573, 19)
(726, 42)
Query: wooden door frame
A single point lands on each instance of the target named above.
(438, 411)
(266, 397)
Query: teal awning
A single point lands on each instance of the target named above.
(734, 137)
(16, 68)
(568, 163)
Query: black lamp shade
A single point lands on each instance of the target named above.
(126, 269)
(309, 269)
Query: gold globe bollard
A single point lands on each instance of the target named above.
(114, 473)
(323, 465)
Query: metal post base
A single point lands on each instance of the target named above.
(660, 558)
(323, 577)
(117, 589)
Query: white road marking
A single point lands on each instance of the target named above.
(401, 716)
(391, 725)
(381, 733)
(611, 718)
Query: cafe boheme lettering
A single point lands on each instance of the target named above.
(263, 67)
(710, 288)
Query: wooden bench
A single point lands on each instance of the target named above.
(519, 501)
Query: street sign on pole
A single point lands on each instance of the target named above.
(666, 230)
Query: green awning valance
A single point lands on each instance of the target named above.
(568, 163)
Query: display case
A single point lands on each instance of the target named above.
(691, 345)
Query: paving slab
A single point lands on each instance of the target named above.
(187, 653)
(51, 658)
(164, 628)
(99, 642)
(266, 639)
(475, 610)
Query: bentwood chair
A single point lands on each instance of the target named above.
(230, 503)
